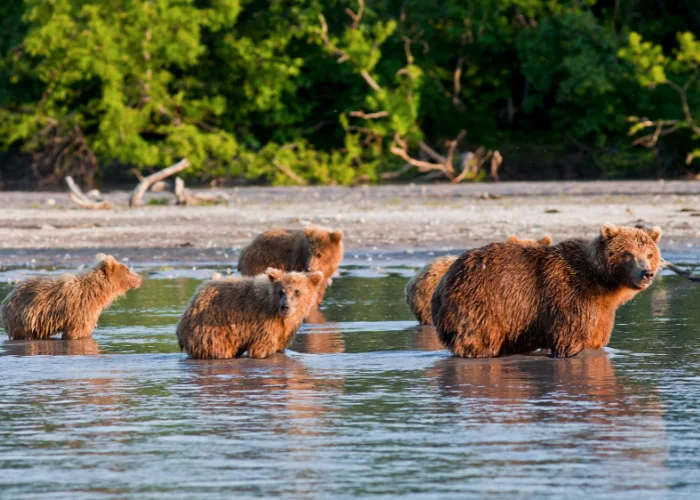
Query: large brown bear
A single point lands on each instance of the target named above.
(419, 289)
(312, 249)
(44, 306)
(507, 298)
(260, 315)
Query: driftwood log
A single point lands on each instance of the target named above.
(136, 198)
(154, 183)
(91, 200)
(444, 166)
(679, 271)
(157, 182)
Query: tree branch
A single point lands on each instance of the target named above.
(342, 55)
(369, 116)
(286, 170)
(356, 18)
(370, 81)
(684, 103)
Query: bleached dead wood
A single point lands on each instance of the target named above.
(443, 166)
(679, 271)
(143, 186)
(90, 201)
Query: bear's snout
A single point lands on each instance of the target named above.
(284, 306)
(135, 281)
(646, 276)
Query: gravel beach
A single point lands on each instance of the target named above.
(46, 228)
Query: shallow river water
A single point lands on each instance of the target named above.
(365, 403)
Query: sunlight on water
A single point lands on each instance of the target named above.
(364, 403)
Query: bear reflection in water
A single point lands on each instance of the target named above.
(258, 390)
(424, 338)
(613, 417)
(51, 347)
(322, 337)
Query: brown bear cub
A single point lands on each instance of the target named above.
(507, 298)
(260, 315)
(419, 289)
(44, 306)
(312, 249)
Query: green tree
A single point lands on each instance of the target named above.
(676, 79)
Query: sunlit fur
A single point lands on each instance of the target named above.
(546, 240)
(312, 249)
(419, 289)
(260, 315)
(507, 298)
(44, 306)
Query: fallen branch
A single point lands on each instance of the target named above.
(443, 166)
(286, 170)
(136, 197)
(400, 149)
(183, 195)
(681, 272)
(81, 199)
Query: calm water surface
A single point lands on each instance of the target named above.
(364, 403)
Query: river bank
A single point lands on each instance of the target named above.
(46, 229)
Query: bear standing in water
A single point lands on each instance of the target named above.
(311, 249)
(261, 315)
(44, 306)
(507, 298)
(419, 289)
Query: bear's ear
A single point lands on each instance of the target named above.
(309, 232)
(609, 230)
(336, 236)
(315, 277)
(655, 233)
(274, 274)
(513, 239)
(546, 240)
(108, 260)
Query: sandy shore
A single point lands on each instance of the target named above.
(47, 228)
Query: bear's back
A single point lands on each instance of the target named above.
(238, 296)
(500, 281)
(283, 249)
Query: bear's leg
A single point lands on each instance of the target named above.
(16, 332)
(565, 345)
(471, 345)
(260, 351)
(74, 333)
(223, 344)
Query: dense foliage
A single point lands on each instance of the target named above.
(323, 91)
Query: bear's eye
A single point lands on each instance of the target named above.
(297, 292)
(650, 256)
(318, 255)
